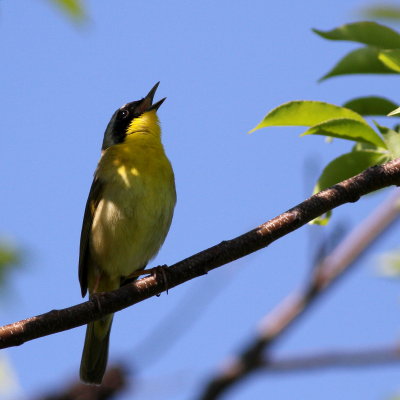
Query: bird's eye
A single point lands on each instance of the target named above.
(124, 114)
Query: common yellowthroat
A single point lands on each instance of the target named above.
(127, 216)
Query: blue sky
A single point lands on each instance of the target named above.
(222, 66)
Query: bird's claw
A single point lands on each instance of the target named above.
(160, 270)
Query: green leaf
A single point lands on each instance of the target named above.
(391, 58)
(7, 256)
(322, 219)
(369, 33)
(9, 259)
(305, 113)
(358, 146)
(382, 12)
(370, 105)
(361, 61)
(391, 138)
(346, 166)
(389, 264)
(73, 8)
(348, 129)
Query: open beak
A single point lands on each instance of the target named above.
(148, 100)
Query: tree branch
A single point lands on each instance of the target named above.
(114, 382)
(334, 359)
(350, 190)
(280, 319)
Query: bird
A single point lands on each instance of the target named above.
(127, 216)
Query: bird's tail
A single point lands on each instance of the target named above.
(95, 350)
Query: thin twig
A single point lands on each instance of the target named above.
(350, 190)
(277, 322)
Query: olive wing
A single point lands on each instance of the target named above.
(92, 203)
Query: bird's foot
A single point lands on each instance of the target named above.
(155, 272)
(95, 297)
(160, 270)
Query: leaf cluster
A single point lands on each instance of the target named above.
(371, 144)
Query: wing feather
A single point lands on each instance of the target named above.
(92, 203)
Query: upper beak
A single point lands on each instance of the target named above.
(148, 100)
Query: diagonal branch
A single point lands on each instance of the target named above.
(334, 359)
(350, 190)
(280, 319)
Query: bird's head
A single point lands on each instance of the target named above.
(137, 117)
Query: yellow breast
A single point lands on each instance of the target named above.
(135, 213)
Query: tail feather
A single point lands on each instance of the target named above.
(95, 350)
